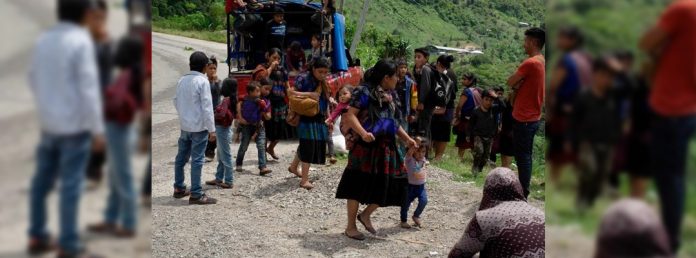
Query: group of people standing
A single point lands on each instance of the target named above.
(605, 117)
(389, 122)
(87, 114)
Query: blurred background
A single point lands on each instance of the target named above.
(600, 129)
(21, 23)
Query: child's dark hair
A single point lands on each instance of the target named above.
(446, 61)
(422, 143)
(252, 86)
(423, 52)
(499, 88)
(344, 87)
(604, 64)
(278, 10)
(273, 51)
(401, 61)
(296, 46)
(317, 36)
(539, 35)
(213, 60)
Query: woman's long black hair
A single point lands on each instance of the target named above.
(383, 67)
(129, 55)
(229, 89)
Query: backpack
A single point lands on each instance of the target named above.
(441, 93)
(119, 103)
(223, 113)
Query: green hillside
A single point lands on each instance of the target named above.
(490, 24)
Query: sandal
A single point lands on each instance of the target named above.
(369, 229)
(405, 225)
(359, 236)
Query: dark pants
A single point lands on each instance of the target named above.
(594, 163)
(425, 118)
(670, 147)
(523, 140)
(414, 191)
(481, 153)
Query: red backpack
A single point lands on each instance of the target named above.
(119, 103)
(223, 114)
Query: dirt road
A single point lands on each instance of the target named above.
(270, 216)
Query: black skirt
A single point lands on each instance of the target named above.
(440, 130)
(374, 174)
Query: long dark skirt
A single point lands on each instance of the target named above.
(277, 128)
(313, 135)
(375, 174)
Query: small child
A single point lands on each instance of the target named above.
(415, 161)
(275, 30)
(253, 110)
(483, 126)
(343, 95)
(317, 45)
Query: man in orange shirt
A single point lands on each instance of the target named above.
(673, 99)
(528, 86)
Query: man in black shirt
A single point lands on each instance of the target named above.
(424, 75)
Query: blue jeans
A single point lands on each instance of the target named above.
(247, 132)
(191, 146)
(122, 200)
(224, 167)
(63, 157)
(523, 140)
(414, 191)
(669, 154)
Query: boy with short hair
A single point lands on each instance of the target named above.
(482, 126)
(275, 30)
(253, 110)
(595, 123)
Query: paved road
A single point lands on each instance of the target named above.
(21, 22)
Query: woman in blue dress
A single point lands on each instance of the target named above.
(312, 131)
